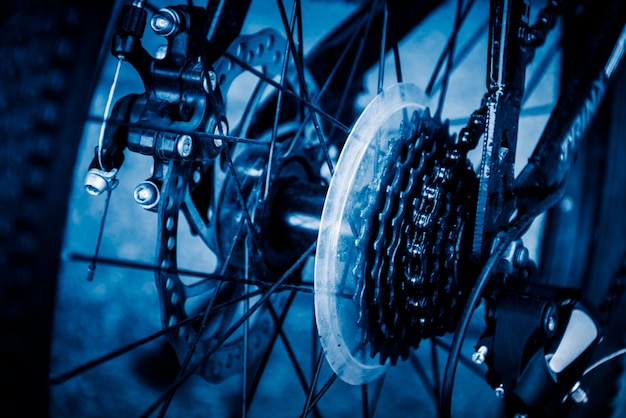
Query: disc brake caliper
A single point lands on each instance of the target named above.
(181, 103)
(536, 345)
(180, 121)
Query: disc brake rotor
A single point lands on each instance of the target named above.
(181, 297)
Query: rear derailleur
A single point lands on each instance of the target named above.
(537, 342)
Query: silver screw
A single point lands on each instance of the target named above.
(499, 391)
(147, 194)
(98, 181)
(479, 355)
(165, 22)
(184, 145)
(550, 321)
(578, 394)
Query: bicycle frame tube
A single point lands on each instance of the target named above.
(575, 109)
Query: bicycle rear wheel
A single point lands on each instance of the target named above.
(49, 49)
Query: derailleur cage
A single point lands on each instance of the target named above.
(536, 343)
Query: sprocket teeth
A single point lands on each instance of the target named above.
(408, 250)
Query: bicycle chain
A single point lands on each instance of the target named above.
(410, 255)
(546, 21)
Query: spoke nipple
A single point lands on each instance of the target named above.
(184, 145)
(479, 355)
(147, 194)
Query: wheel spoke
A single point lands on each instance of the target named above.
(290, 351)
(450, 56)
(365, 401)
(445, 53)
(422, 375)
(340, 60)
(434, 363)
(327, 82)
(183, 367)
(197, 287)
(265, 296)
(462, 53)
(321, 393)
(64, 377)
(541, 70)
(314, 108)
(270, 346)
(246, 324)
(240, 197)
(304, 91)
(378, 387)
(355, 63)
(383, 49)
(396, 49)
(311, 389)
(283, 76)
(200, 135)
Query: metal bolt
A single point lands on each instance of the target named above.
(147, 194)
(578, 394)
(520, 258)
(479, 355)
(184, 145)
(216, 131)
(550, 321)
(499, 391)
(165, 22)
(161, 52)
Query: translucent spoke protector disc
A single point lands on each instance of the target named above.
(353, 186)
